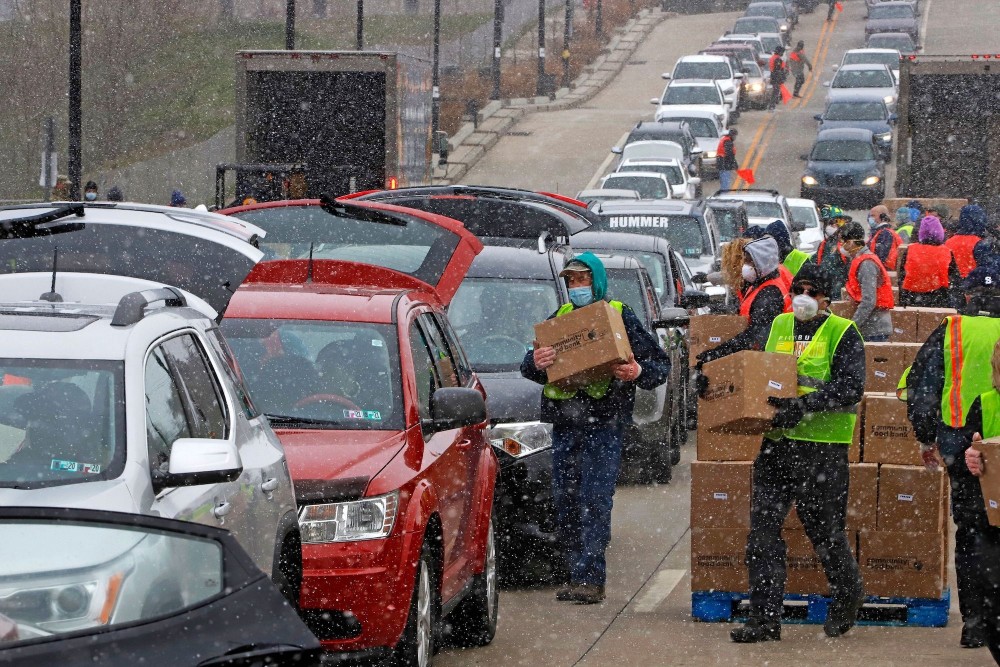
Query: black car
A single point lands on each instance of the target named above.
(845, 168)
(863, 112)
(731, 218)
(678, 132)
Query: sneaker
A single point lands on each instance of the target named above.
(756, 630)
(567, 593)
(589, 594)
(972, 636)
(841, 616)
(797, 95)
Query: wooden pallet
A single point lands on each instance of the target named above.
(916, 612)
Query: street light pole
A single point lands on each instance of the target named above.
(361, 26)
(290, 25)
(436, 74)
(540, 88)
(75, 133)
(599, 20)
(567, 36)
(497, 39)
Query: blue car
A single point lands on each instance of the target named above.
(844, 168)
(863, 113)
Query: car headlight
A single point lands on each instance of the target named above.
(755, 87)
(710, 154)
(809, 180)
(84, 601)
(889, 99)
(885, 137)
(522, 438)
(365, 519)
(871, 180)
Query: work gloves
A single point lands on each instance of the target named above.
(700, 380)
(789, 411)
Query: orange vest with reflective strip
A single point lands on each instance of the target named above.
(883, 297)
(794, 55)
(961, 246)
(897, 240)
(786, 277)
(746, 301)
(926, 267)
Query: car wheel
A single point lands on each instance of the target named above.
(287, 574)
(475, 618)
(416, 646)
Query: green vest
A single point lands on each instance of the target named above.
(814, 363)
(596, 390)
(906, 229)
(968, 371)
(990, 402)
(794, 260)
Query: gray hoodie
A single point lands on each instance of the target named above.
(764, 254)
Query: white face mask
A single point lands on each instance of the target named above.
(749, 273)
(804, 307)
(831, 229)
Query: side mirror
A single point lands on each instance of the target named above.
(196, 461)
(694, 180)
(454, 407)
(654, 100)
(672, 317)
(665, 75)
(804, 157)
(693, 298)
(798, 226)
(616, 150)
(700, 277)
(693, 169)
(893, 118)
(695, 152)
(835, 67)
(739, 75)
(918, 48)
(819, 117)
(729, 91)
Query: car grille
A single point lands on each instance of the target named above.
(840, 180)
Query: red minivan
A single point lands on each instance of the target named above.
(342, 336)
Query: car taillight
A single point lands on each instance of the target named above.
(392, 183)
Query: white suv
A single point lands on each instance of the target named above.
(691, 95)
(764, 207)
(717, 68)
(117, 390)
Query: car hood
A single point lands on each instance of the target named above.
(676, 109)
(876, 126)
(112, 495)
(511, 397)
(92, 546)
(326, 455)
(841, 166)
(874, 93)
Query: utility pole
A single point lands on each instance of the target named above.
(48, 152)
(75, 134)
(290, 25)
(436, 73)
(540, 87)
(599, 20)
(567, 36)
(361, 26)
(497, 44)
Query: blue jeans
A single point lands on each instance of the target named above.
(585, 461)
(726, 178)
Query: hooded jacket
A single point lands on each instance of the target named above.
(972, 221)
(779, 233)
(597, 271)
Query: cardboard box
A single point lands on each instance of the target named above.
(804, 569)
(889, 436)
(904, 325)
(716, 446)
(720, 494)
(912, 499)
(862, 500)
(885, 364)
(929, 320)
(738, 388)
(718, 560)
(990, 479)
(706, 332)
(903, 564)
(893, 278)
(844, 308)
(588, 341)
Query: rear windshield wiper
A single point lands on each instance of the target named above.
(28, 227)
(289, 420)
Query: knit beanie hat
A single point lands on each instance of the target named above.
(931, 230)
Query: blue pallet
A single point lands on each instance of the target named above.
(717, 606)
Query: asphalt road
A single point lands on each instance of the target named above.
(646, 618)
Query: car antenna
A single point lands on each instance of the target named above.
(53, 296)
(309, 267)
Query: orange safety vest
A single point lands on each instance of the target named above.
(926, 267)
(961, 247)
(897, 240)
(775, 60)
(746, 300)
(883, 297)
(785, 275)
(720, 150)
(794, 55)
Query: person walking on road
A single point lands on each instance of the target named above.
(587, 429)
(928, 275)
(797, 63)
(803, 460)
(726, 159)
(950, 370)
(868, 285)
(833, 7)
(884, 240)
(779, 74)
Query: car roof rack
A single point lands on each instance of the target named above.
(27, 226)
(132, 307)
(759, 190)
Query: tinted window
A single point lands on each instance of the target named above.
(692, 95)
(702, 70)
(232, 370)
(806, 215)
(338, 374)
(879, 12)
(755, 24)
(423, 371)
(855, 111)
(671, 171)
(199, 387)
(842, 151)
(166, 419)
(702, 127)
(624, 285)
(647, 187)
(462, 364)
(444, 362)
(686, 233)
(727, 221)
(764, 209)
(770, 43)
(863, 78)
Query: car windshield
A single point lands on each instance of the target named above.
(648, 187)
(752, 24)
(673, 173)
(899, 41)
(774, 11)
(855, 111)
(701, 127)
(692, 95)
(806, 215)
(625, 285)
(61, 422)
(342, 375)
(842, 151)
(890, 60)
(764, 209)
(685, 232)
(495, 319)
(770, 42)
(863, 78)
(879, 12)
(751, 69)
(726, 220)
(702, 70)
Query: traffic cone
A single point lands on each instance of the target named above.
(786, 95)
(839, 6)
(746, 175)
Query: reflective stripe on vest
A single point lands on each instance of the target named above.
(883, 297)
(596, 390)
(968, 372)
(961, 246)
(746, 302)
(814, 361)
(990, 403)
(794, 260)
(926, 267)
(893, 256)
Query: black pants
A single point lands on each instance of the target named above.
(800, 79)
(815, 477)
(829, 14)
(775, 94)
(989, 550)
(969, 514)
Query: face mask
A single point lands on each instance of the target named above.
(872, 222)
(90, 196)
(581, 296)
(831, 229)
(844, 253)
(804, 307)
(749, 273)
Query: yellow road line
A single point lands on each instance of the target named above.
(748, 156)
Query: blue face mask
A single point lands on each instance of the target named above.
(872, 222)
(90, 196)
(581, 296)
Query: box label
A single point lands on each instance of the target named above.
(904, 497)
(720, 495)
(994, 504)
(881, 374)
(774, 385)
(715, 339)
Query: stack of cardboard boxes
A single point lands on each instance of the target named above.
(897, 513)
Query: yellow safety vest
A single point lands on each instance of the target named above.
(794, 260)
(990, 403)
(595, 390)
(968, 372)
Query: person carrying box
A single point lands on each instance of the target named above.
(587, 429)
(804, 461)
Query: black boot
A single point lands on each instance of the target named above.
(843, 614)
(757, 630)
(973, 636)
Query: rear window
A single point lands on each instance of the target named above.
(625, 285)
(764, 209)
(890, 60)
(880, 12)
(671, 171)
(686, 233)
(863, 78)
(855, 111)
(646, 186)
(756, 24)
(692, 95)
(899, 41)
(702, 70)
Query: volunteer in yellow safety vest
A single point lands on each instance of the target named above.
(587, 428)
(950, 371)
(803, 461)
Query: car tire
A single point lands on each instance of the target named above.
(417, 646)
(287, 575)
(474, 621)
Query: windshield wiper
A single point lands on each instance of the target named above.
(27, 227)
(289, 420)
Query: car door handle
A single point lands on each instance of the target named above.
(269, 485)
(222, 509)
(464, 444)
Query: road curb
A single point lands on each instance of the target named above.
(473, 140)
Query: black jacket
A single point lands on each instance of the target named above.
(727, 159)
(620, 399)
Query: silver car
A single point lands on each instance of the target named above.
(871, 80)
